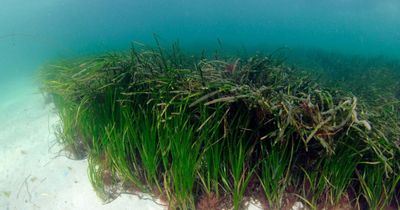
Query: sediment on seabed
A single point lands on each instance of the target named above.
(211, 132)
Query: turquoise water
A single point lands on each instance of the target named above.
(33, 32)
(36, 32)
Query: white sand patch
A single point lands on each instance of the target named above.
(32, 176)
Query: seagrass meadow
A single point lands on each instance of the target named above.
(216, 131)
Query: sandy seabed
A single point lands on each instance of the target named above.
(32, 173)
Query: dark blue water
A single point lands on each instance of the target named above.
(34, 32)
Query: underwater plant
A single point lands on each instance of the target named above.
(215, 131)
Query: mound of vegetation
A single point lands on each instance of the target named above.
(213, 132)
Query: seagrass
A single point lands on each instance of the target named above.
(211, 132)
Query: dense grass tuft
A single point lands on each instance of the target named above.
(204, 132)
